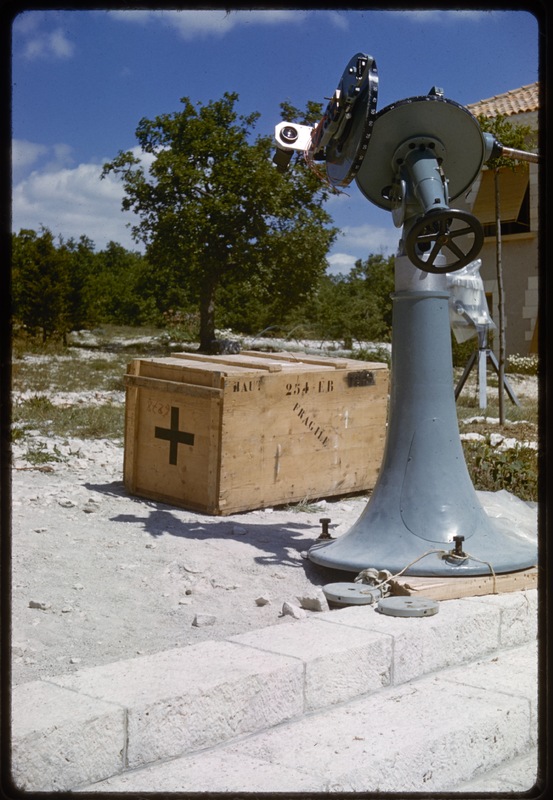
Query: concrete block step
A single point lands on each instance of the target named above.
(168, 703)
(435, 733)
(60, 737)
(181, 701)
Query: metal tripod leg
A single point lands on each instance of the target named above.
(466, 373)
(482, 355)
(506, 383)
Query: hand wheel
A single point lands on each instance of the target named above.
(439, 230)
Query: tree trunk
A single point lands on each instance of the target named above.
(207, 317)
(500, 302)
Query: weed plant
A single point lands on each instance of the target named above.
(492, 469)
(39, 415)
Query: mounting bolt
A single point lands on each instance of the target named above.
(458, 551)
(325, 522)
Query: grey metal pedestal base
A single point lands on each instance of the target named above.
(424, 496)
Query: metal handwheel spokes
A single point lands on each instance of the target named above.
(435, 233)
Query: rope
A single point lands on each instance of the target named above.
(444, 553)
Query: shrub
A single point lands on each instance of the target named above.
(522, 365)
(491, 469)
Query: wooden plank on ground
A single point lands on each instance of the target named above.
(455, 588)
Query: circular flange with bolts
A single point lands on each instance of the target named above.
(358, 96)
(408, 606)
(433, 233)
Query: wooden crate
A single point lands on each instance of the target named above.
(222, 434)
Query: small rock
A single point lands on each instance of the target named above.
(262, 601)
(66, 503)
(238, 530)
(78, 586)
(151, 546)
(184, 601)
(74, 660)
(313, 601)
(39, 604)
(41, 530)
(291, 610)
(91, 506)
(203, 620)
(66, 610)
(188, 591)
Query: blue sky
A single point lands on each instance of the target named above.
(82, 79)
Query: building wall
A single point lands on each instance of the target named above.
(520, 282)
(520, 261)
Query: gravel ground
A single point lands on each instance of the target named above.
(99, 575)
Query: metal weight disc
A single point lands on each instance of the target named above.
(358, 95)
(346, 594)
(408, 606)
(432, 116)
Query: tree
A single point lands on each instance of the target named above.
(520, 137)
(214, 213)
(356, 306)
(122, 287)
(41, 284)
(81, 297)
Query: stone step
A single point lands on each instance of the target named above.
(466, 725)
(74, 730)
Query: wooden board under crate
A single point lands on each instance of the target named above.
(476, 586)
(222, 434)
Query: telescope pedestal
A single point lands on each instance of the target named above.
(424, 496)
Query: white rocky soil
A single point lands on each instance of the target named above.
(99, 575)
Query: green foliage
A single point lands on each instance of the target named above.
(523, 365)
(353, 307)
(59, 287)
(519, 137)
(218, 220)
(41, 280)
(461, 351)
(39, 454)
(492, 469)
(379, 354)
(87, 422)
(124, 288)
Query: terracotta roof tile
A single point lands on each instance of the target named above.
(515, 101)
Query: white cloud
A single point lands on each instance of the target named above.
(359, 242)
(36, 36)
(26, 154)
(192, 23)
(340, 263)
(73, 202)
(48, 45)
(441, 15)
(338, 20)
(27, 22)
(367, 239)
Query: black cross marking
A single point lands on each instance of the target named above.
(174, 436)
